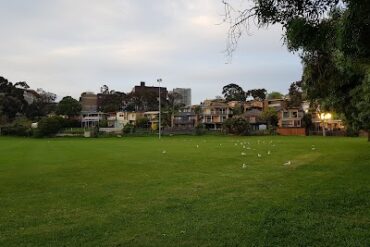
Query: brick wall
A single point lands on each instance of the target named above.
(291, 131)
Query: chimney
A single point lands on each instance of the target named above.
(142, 84)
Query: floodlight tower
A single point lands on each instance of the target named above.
(159, 108)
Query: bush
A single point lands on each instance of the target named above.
(128, 129)
(20, 127)
(142, 122)
(236, 126)
(48, 126)
(200, 129)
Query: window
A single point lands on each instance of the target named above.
(294, 114)
(285, 114)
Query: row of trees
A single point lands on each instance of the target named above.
(234, 92)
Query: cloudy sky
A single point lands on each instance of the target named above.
(70, 46)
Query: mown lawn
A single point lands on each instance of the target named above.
(146, 192)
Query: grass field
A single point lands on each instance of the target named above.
(146, 192)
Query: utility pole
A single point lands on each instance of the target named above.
(159, 107)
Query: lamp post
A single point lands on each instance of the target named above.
(323, 117)
(159, 108)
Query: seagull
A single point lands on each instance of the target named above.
(243, 154)
(197, 146)
(248, 148)
(243, 146)
(259, 155)
(164, 151)
(244, 166)
(313, 149)
(268, 152)
(288, 163)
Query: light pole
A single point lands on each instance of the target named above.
(159, 108)
(323, 117)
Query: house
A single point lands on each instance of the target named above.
(152, 116)
(214, 113)
(186, 118)
(276, 104)
(92, 119)
(254, 117)
(290, 117)
(120, 119)
(143, 89)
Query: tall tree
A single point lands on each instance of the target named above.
(257, 94)
(69, 106)
(275, 95)
(295, 94)
(332, 38)
(233, 92)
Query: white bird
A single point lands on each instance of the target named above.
(243, 154)
(313, 149)
(244, 166)
(164, 151)
(248, 148)
(259, 155)
(268, 152)
(243, 146)
(197, 146)
(287, 163)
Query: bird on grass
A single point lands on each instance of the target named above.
(268, 152)
(259, 155)
(244, 165)
(243, 154)
(164, 151)
(287, 163)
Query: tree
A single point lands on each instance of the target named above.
(173, 106)
(275, 95)
(11, 99)
(257, 94)
(69, 106)
(295, 94)
(333, 41)
(237, 126)
(271, 117)
(233, 92)
(48, 126)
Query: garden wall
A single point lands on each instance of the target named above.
(291, 131)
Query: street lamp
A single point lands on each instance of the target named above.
(323, 117)
(159, 108)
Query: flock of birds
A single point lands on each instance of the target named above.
(247, 146)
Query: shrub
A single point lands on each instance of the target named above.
(200, 129)
(128, 129)
(20, 127)
(49, 126)
(142, 122)
(237, 126)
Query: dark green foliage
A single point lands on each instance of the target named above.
(11, 98)
(128, 129)
(275, 95)
(233, 92)
(19, 127)
(270, 116)
(257, 94)
(142, 122)
(69, 106)
(49, 126)
(295, 94)
(200, 129)
(236, 126)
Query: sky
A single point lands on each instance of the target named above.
(68, 47)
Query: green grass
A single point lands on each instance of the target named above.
(127, 192)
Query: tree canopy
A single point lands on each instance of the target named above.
(233, 92)
(69, 106)
(332, 38)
